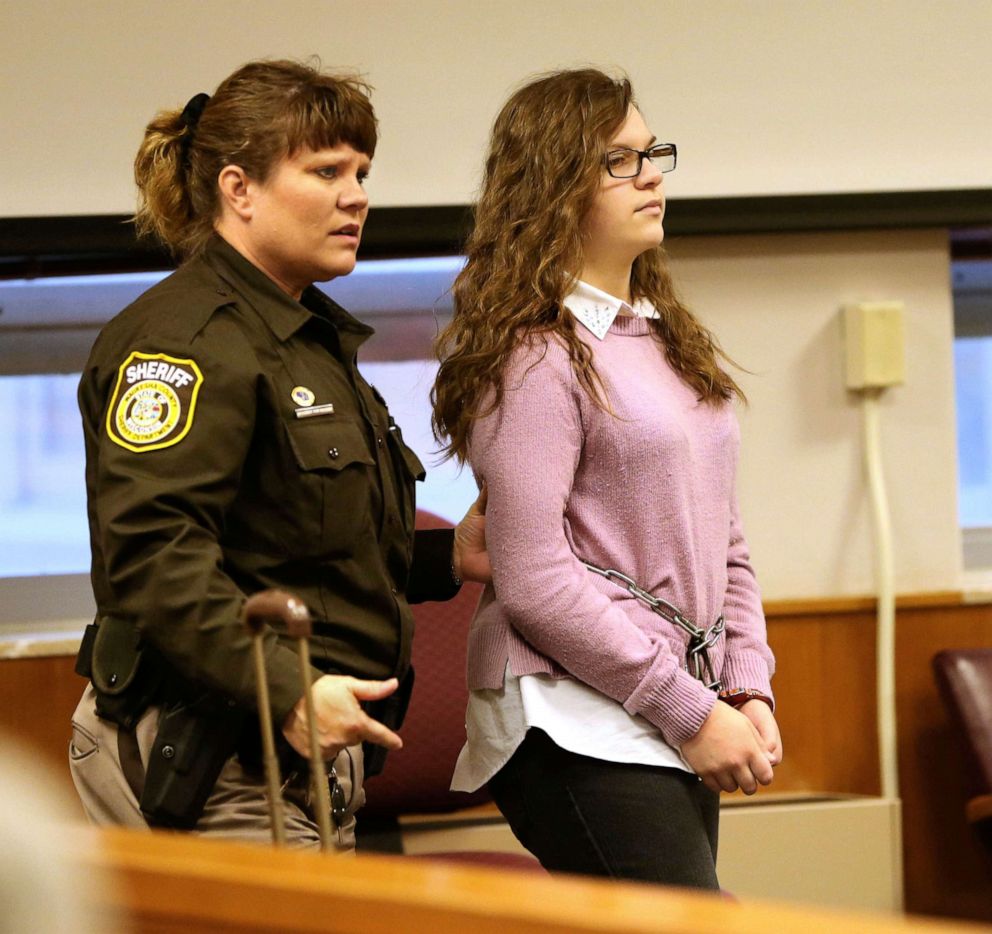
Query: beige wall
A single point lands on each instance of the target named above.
(766, 95)
(774, 302)
(761, 95)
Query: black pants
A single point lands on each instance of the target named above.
(588, 816)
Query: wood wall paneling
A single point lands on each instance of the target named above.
(824, 690)
(37, 698)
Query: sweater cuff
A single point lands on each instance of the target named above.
(671, 699)
(747, 670)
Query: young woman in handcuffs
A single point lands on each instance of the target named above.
(597, 410)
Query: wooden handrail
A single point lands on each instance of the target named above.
(172, 882)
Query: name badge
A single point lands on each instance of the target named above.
(314, 411)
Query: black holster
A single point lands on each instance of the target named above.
(197, 732)
(193, 742)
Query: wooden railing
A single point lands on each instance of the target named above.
(163, 882)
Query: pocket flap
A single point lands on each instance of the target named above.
(410, 459)
(413, 463)
(116, 654)
(320, 444)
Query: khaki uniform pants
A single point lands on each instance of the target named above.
(237, 808)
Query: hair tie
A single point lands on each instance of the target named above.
(191, 117)
(193, 110)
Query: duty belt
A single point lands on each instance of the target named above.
(697, 658)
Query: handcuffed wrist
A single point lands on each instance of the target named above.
(738, 697)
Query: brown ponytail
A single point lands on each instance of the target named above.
(165, 205)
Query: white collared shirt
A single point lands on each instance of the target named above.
(597, 309)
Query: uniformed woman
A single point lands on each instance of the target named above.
(231, 446)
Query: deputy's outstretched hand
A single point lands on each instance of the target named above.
(340, 719)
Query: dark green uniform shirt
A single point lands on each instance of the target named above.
(232, 445)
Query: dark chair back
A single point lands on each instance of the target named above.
(964, 678)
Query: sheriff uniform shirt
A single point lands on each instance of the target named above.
(232, 445)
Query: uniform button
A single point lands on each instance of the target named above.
(394, 590)
(112, 680)
(168, 752)
(333, 452)
(379, 441)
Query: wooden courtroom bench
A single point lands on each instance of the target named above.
(179, 883)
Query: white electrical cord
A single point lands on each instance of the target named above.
(885, 652)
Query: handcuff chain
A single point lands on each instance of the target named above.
(700, 640)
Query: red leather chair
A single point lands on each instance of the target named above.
(416, 778)
(964, 678)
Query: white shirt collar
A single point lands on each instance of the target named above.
(597, 309)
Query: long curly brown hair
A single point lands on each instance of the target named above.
(542, 173)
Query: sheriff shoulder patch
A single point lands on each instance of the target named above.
(153, 402)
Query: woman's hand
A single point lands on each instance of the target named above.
(728, 752)
(760, 714)
(470, 558)
(340, 719)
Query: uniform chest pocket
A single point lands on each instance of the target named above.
(339, 472)
(328, 445)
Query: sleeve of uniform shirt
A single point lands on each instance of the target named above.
(749, 662)
(158, 516)
(431, 574)
(544, 589)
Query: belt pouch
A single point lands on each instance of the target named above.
(124, 678)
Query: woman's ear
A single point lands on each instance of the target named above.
(235, 191)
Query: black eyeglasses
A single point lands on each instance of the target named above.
(627, 163)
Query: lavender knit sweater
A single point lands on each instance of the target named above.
(649, 491)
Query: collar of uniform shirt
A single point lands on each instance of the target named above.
(596, 309)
